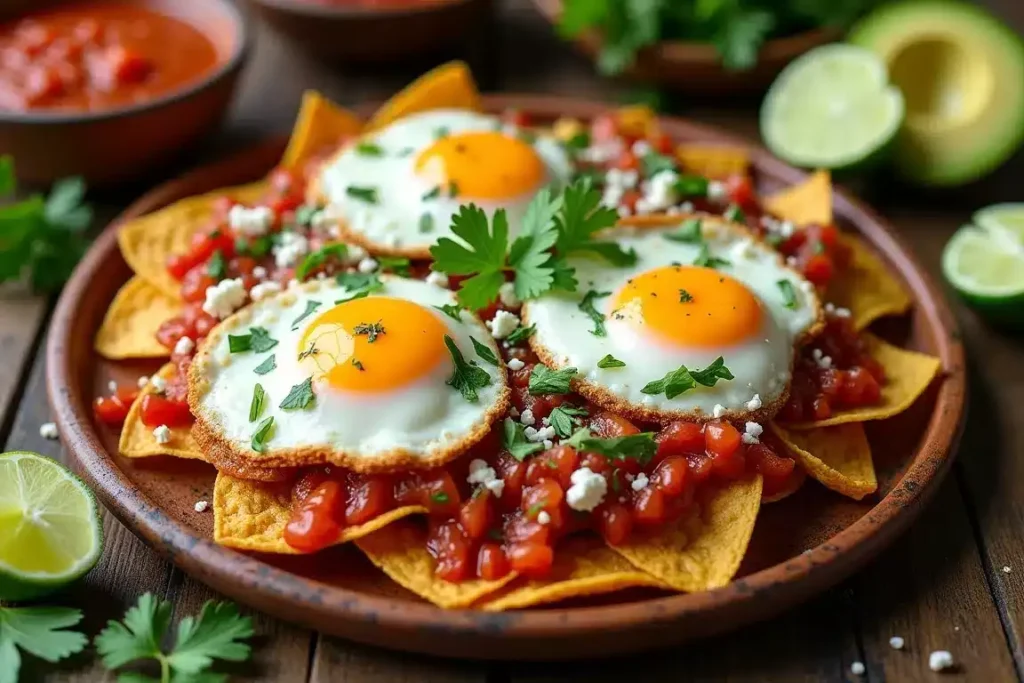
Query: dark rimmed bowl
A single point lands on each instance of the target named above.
(372, 34)
(112, 145)
(694, 67)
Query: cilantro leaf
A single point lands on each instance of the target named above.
(789, 299)
(655, 163)
(688, 233)
(735, 214)
(482, 255)
(258, 340)
(359, 284)
(310, 307)
(364, 194)
(640, 447)
(266, 366)
(218, 633)
(580, 218)
(259, 397)
(520, 334)
(396, 264)
(468, 376)
(563, 419)
(300, 397)
(369, 149)
(426, 223)
(710, 375)
(587, 306)
(530, 256)
(544, 380)
(371, 330)
(36, 630)
(741, 37)
(681, 380)
(610, 361)
(706, 260)
(515, 442)
(317, 258)
(453, 311)
(484, 352)
(217, 268)
(692, 186)
(259, 438)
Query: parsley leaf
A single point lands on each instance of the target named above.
(520, 334)
(789, 299)
(453, 311)
(439, 497)
(219, 632)
(217, 268)
(706, 260)
(468, 376)
(259, 438)
(681, 380)
(259, 398)
(431, 194)
(371, 330)
(300, 397)
(580, 218)
(515, 442)
(735, 214)
(587, 306)
(692, 185)
(530, 254)
(544, 380)
(688, 233)
(365, 194)
(485, 353)
(396, 264)
(685, 297)
(710, 375)
(426, 222)
(266, 366)
(310, 307)
(655, 163)
(610, 361)
(36, 630)
(316, 259)
(359, 284)
(563, 419)
(258, 340)
(640, 447)
(369, 149)
(482, 255)
(741, 37)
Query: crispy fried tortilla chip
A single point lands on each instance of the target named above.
(400, 550)
(713, 161)
(796, 480)
(867, 287)
(584, 565)
(907, 375)
(637, 121)
(137, 440)
(147, 241)
(449, 86)
(251, 515)
(320, 124)
(130, 325)
(702, 551)
(808, 202)
(839, 457)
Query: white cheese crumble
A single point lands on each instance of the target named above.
(503, 324)
(659, 192)
(940, 660)
(539, 435)
(162, 434)
(142, 382)
(252, 222)
(48, 430)
(482, 473)
(543, 517)
(201, 506)
(290, 249)
(263, 290)
(837, 311)
(515, 364)
(587, 491)
(526, 418)
(601, 152)
(752, 432)
(857, 668)
(640, 482)
(718, 411)
(896, 643)
(616, 182)
(717, 191)
(507, 295)
(367, 265)
(184, 346)
(548, 444)
(159, 384)
(225, 297)
(355, 254)
(112, 386)
(641, 148)
(754, 403)
(260, 273)
(437, 279)
(824, 362)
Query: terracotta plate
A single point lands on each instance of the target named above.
(801, 546)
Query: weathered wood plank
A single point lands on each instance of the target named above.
(21, 316)
(339, 661)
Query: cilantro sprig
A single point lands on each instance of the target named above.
(587, 306)
(319, 257)
(515, 442)
(564, 418)
(39, 631)
(640, 447)
(681, 380)
(544, 380)
(467, 376)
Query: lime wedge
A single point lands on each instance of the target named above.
(832, 108)
(50, 531)
(988, 272)
(1005, 220)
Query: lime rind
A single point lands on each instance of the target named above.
(979, 265)
(1004, 220)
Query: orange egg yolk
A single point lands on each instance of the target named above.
(690, 306)
(373, 344)
(482, 165)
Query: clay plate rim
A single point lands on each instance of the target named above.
(402, 624)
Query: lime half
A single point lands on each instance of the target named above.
(987, 268)
(832, 108)
(1006, 220)
(50, 531)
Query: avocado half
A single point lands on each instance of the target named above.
(961, 71)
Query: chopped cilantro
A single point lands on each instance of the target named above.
(819, 248)
(544, 380)
(431, 194)
(358, 365)
(439, 497)
(311, 351)
(304, 214)
(258, 399)
(692, 185)
(706, 260)
(735, 214)
(640, 447)
(580, 140)
(563, 419)
(520, 334)
(689, 232)
(369, 149)
(468, 376)
(534, 510)
(610, 361)
(396, 264)
(441, 132)
(685, 297)
(300, 397)
(257, 247)
(310, 307)
(359, 285)
(655, 163)
(371, 330)
(453, 311)
(789, 299)
(426, 222)
(365, 194)
(258, 340)
(515, 442)
(316, 259)
(681, 380)
(587, 306)
(266, 366)
(217, 268)
(453, 189)
(262, 434)
(485, 353)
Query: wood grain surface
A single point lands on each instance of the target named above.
(945, 585)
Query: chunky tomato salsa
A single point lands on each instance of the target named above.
(98, 55)
(495, 509)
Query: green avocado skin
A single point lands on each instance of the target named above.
(950, 157)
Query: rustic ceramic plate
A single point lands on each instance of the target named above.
(801, 546)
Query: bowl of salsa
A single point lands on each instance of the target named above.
(108, 88)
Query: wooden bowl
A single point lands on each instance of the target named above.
(800, 546)
(373, 34)
(111, 145)
(695, 67)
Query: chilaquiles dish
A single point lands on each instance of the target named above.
(512, 363)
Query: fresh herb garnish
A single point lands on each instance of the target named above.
(310, 307)
(426, 222)
(688, 233)
(439, 497)
(453, 311)
(534, 510)
(681, 380)
(789, 299)
(258, 340)
(441, 132)
(587, 306)
(692, 186)
(358, 365)
(359, 285)
(266, 366)
(311, 351)
(544, 380)
(304, 215)
(453, 189)
(396, 264)
(432, 193)
(259, 397)
(654, 163)
(563, 419)
(520, 334)
(371, 330)
(262, 434)
(685, 297)
(578, 141)
(735, 214)
(515, 442)
(217, 267)
(300, 397)
(468, 376)
(706, 260)
(257, 247)
(610, 361)
(316, 259)
(640, 447)
(369, 149)
(38, 631)
(484, 353)
(365, 194)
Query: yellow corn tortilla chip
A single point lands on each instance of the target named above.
(794, 485)
(130, 324)
(400, 551)
(584, 565)
(713, 161)
(867, 287)
(907, 375)
(637, 120)
(320, 123)
(146, 242)
(704, 550)
(137, 440)
(252, 515)
(449, 86)
(839, 457)
(806, 202)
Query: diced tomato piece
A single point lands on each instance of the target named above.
(700, 467)
(519, 529)
(818, 269)
(661, 143)
(452, 550)
(179, 264)
(740, 190)
(433, 489)
(476, 514)
(531, 559)
(170, 331)
(369, 496)
(774, 470)
(544, 496)
(284, 181)
(615, 522)
(556, 463)
(650, 506)
(87, 32)
(596, 462)
(314, 523)
(678, 438)
(671, 475)
(42, 83)
(516, 117)
(125, 65)
(609, 425)
(110, 410)
(629, 199)
(728, 467)
(195, 284)
(513, 473)
(604, 127)
(721, 438)
(157, 410)
(628, 161)
(307, 483)
(491, 563)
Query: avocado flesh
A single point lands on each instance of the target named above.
(961, 71)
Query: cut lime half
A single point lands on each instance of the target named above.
(987, 269)
(832, 108)
(50, 532)
(1006, 220)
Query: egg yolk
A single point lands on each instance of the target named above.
(373, 344)
(481, 165)
(690, 306)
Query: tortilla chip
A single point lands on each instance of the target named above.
(130, 325)
(146, 242)
(137, 440)
(704, 550)
(400, 550)
(839, 457)
(636, 121)
(907, 375)
(713, 161)
(252, 515)
(867, 287)
(795, 482)
(584, 565)
(449, 86)
(806, 202)
(320, 124)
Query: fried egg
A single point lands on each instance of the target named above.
(719, 293)
(395, 190)
(378, 366)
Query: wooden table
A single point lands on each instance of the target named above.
(955, 581)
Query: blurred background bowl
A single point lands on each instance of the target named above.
(366, 33)
(111, 145)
